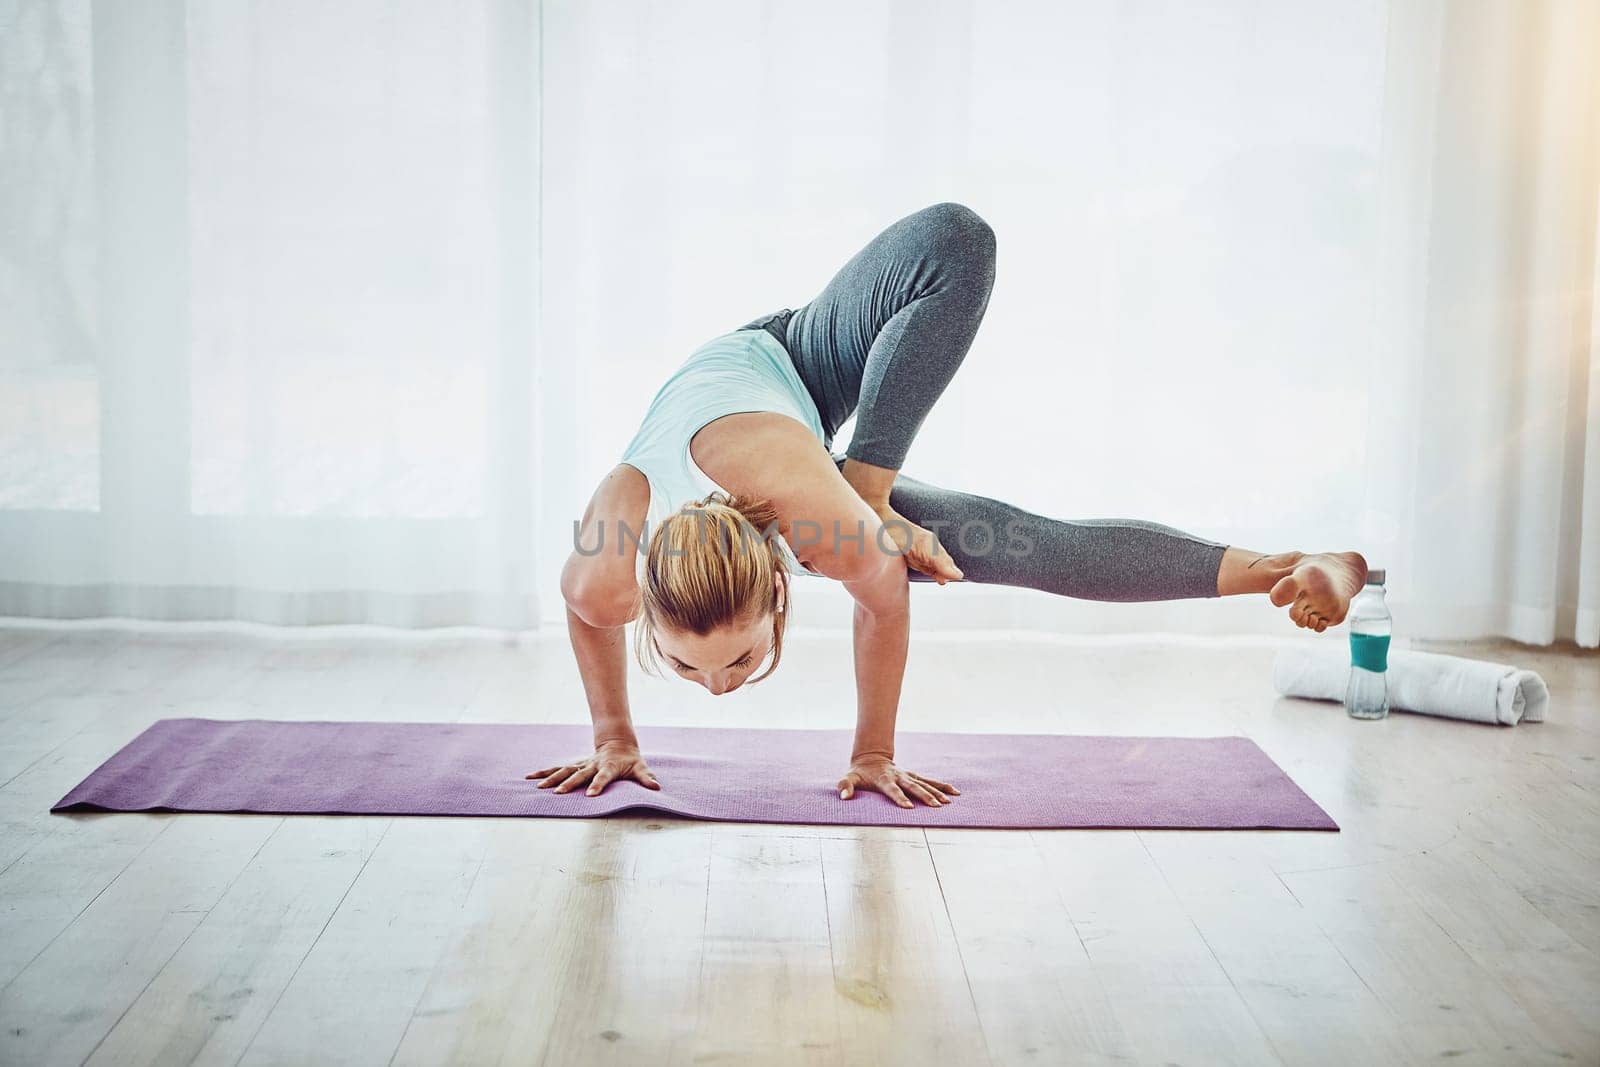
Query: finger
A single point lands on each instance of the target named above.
(937, 553)
(932, 783)
(578, 777)
(643, 776)
(922, 793)
(561, 774)
(900, 536)
(894, 793)
(944, 787)
(940, 567)
(540, 774)
(948, 565)
(601, 779)
(583, 775)
(847, 787)
(929, 564)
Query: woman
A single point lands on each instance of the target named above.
(741, 437)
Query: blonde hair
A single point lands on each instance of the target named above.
(708, 565)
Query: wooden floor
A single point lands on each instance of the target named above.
(1455, 918)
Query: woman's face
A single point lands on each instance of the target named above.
(722, 659)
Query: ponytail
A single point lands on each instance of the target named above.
(709, 565)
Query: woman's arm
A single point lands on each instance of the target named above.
(921, 549)
(882, 633)
(834, 531)
(600, 596)
(602, 656)
(600, 592)
(882, 630)
(602, 661)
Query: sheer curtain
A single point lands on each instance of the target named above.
(270, 302)
(335, 313)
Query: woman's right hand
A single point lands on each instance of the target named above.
(611, 760)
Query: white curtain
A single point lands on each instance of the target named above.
(336, 312)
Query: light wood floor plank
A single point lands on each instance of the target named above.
(903, 994)
(1454, 916)
(16, 644)
(1549, 975)
(766, 988)
(1167, 990)
(72, 662)
(136, 925)
(632, 917)
(212, 996)
(1297, 985)
(493, 993)
(1036, 990)
(1446, 1005)
(351, 996)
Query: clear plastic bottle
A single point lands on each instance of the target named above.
(1367, 695)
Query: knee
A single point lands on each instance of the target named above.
(962, 232)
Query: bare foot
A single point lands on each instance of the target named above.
(1320, 587)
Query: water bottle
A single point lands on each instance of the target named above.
(1367, 695)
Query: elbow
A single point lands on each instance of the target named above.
(604, 610)
(600, 603)
(880, 586)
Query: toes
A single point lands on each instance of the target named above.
(1284, 590)
(1309, 614)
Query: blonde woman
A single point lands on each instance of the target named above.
(730, 487)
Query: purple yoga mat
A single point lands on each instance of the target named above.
(1021, 781)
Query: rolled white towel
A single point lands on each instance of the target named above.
(1431, 683)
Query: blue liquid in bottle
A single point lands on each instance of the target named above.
(1367, 694)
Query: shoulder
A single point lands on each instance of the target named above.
(830, 528)
(598, 579)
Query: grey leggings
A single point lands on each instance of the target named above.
(882, 341)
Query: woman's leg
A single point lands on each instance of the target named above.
(885, 336)
(1120, 559)
(883, 340)
(996, 543)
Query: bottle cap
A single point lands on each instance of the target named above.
(1375, 576)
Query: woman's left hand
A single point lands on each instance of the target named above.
(882, 776)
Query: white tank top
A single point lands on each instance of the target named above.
(746, 370)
